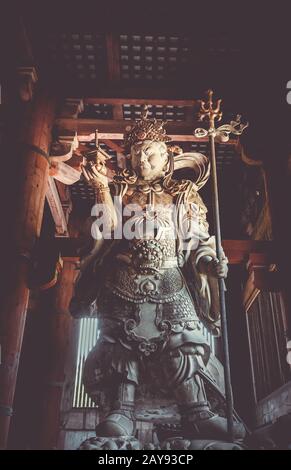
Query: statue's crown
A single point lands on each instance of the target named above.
(145, 129)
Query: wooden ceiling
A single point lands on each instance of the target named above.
(117, 58)
(123, 60)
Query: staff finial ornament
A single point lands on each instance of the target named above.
(212, 112)
(207, 109)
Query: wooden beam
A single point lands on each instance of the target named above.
(114, 129)
(113, 145)
(175, 138)
(141, 101)
(239, 251)
(113, 57)
(189, 113)
(114, 126)
(117, 111)
(146, 90)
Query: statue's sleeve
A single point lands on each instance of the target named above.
(204, 288)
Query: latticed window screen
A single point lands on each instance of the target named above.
(266, 323)
(88, 335)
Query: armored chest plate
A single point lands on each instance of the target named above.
(163, 286)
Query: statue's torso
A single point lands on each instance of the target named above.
(145, 294)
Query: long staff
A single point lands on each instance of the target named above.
(212, 113)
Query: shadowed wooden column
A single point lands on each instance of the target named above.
(30, 152)
(60, 323)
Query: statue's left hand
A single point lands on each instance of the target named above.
(217, 268)
(212, 267)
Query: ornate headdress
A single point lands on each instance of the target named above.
(145, 129)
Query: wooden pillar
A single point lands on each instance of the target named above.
(30, 151)
(60, 324)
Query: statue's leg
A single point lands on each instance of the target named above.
(110, 377)
(181, 371)
(120, 421)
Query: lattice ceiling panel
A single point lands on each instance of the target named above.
(110, 151)
(82, 192)
(220, 47)
(225, 154)
(97, 111)
(169, 113)
(79, 55)
(162, 57)
(148, 57)
(133, 111)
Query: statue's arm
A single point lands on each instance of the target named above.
(205, 256)
(97, 178)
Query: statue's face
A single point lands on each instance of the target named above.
(149, 159)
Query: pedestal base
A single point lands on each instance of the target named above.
(111, 443)
(180, 443)
(176, 443)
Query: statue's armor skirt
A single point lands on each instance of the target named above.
(144, 310)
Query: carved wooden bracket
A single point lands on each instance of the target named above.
(27, 79)
(265, 273)
(63, 151)
(263, 276)
(72, 108)
(56, 208)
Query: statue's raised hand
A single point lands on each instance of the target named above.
(95, 173)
